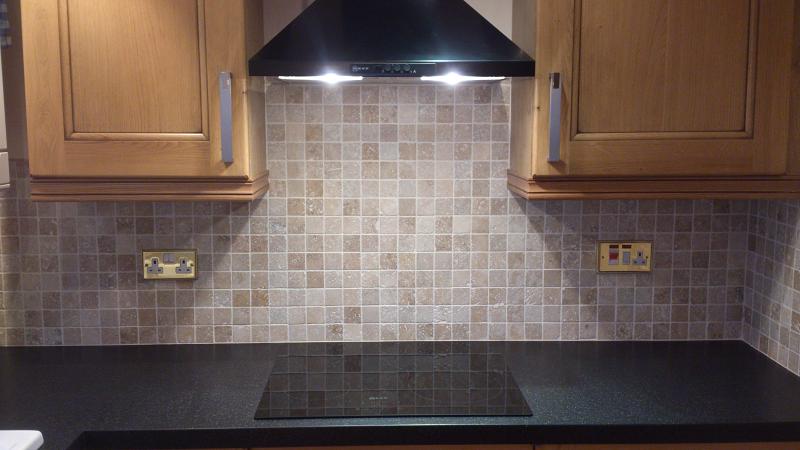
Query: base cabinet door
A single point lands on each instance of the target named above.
(142, 98)
(704, 446)
(412, 447)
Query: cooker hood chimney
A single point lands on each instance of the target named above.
(340, 40)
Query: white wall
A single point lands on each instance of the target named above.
(278, 14)
(498, 12)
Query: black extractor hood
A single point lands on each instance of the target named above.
(443, 40)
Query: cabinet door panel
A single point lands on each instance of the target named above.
(133, 67)
(664, 66)
(667, 87)
(129, 88)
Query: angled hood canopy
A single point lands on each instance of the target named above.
(443, 40)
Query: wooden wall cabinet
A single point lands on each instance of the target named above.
(657, 98)
(123, 99)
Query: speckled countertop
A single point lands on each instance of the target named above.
(206, 396)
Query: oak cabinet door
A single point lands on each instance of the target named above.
(412, 447)
(664, 87)
(699, 446)
(130, 88)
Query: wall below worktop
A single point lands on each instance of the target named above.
(388, 218)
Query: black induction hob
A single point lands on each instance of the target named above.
(391, 379)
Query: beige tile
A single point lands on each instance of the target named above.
(388, 218)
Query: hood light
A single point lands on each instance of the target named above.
(454, 78)
(330, 78)
(451, 78)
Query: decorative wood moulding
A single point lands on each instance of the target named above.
(54, 189)
(653, 188)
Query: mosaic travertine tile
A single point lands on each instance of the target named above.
(388, 219)
(772, 300)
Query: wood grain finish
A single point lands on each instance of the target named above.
(410, 447)
(255, 96)
(759, 148)
(703, 446)
(734, 148)
(157, 124)
(553, 54)
(134, 66)
(587, 188)
(664, 66)
(150, 190)
(523, 98)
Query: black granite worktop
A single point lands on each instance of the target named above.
(206, 396)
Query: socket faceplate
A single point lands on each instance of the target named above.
(624, 256)
(169, 264)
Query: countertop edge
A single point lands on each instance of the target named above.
(439, 434)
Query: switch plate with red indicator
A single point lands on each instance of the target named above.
(624, 256)
(613, 255)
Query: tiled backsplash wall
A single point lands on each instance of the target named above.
(388, 219)
(772, 307)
